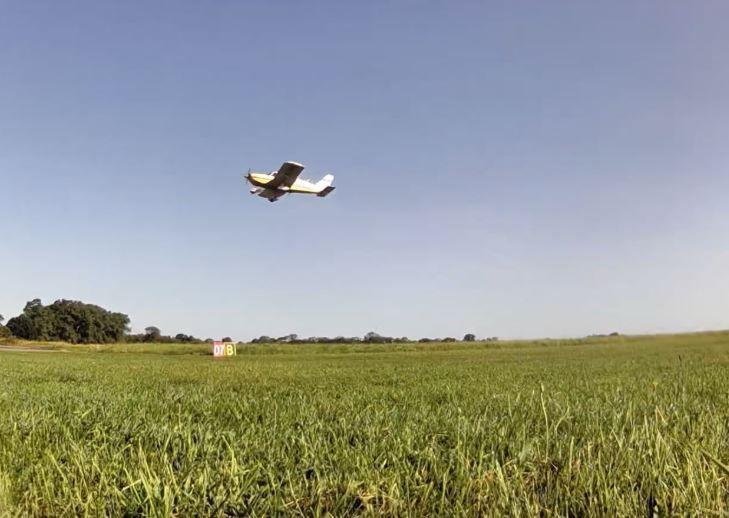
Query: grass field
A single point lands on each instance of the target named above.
(624, 426)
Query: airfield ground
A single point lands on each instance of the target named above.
(618, 426)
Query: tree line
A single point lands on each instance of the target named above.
(80, 323)
(152, 334)
(369, 338)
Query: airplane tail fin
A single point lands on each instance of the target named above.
(324, 186)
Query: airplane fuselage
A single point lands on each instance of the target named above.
(299, 186)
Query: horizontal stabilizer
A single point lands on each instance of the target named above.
(325, 191)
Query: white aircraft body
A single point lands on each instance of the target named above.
(286, 180)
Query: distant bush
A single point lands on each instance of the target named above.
(469, 338)
(601, 335)
(375, 338)
(292, 338)
(153, 335)
(5, 332)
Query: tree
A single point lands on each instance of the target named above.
(470, 337)
(33, 306)
(68, 321)
(152, 334)
(4, 331)
(227, 339)
(22, 327)
(375, 338)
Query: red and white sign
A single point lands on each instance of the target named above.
(223, 349)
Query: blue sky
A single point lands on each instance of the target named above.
(516, 169)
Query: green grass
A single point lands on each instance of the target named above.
(600, 427)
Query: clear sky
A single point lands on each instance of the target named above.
(516, 169)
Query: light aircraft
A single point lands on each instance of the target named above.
(286, 180)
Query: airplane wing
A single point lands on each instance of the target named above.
(270, 194)
(286, 175)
